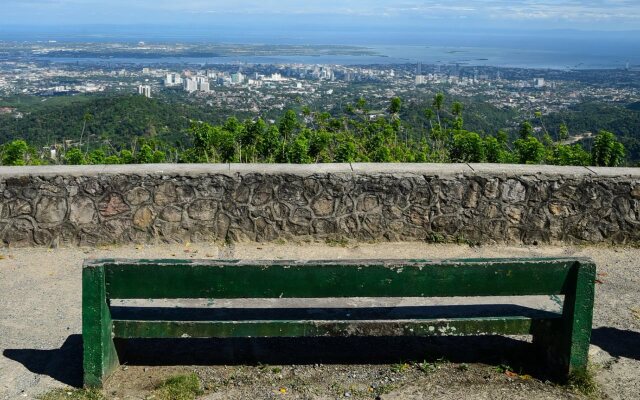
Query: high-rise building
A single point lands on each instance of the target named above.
(190, 85)
(538, 82)
(237, 78)
(172, 79)
(145, 90)
(203, 85)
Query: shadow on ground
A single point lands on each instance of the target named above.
(617, 342)
(65, 364)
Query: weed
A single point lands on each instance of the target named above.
(400, 368)
(463, 367)
(181, 387)
(276, 370)
(383, 389)
(73, 394)
(503, 368)
(427, 367)
(583, 381)
(435, 237)
(337, 242)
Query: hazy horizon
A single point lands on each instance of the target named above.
(594, 32)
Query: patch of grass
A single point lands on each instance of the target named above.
(463, 367)
(337, 242)
(384, 389)
(435, 237)
(73, 394)
(635, 311)
(583, 381)
(180, 387)
(427, 367)
(400, 368)
(503, 368)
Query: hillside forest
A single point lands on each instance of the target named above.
(134, 129)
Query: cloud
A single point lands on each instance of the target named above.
(610, 13)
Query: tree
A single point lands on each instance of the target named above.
(85, 119)
(74, 156)
(288, 123)
(126, 157)
(298, 150)
(467, 147)
(526, 130)
(112, 160)
(456, 110)
(563, 133)
(496, 151)
(319, 142)
(395, 106)
(96, 157)
(607, 151)
(269, 144)
(15, 153)
(570, 155)
(145, 155)
(347, 149)
(529, 150)
(438, 102)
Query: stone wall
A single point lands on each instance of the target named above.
(94, 205)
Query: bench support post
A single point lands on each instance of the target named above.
(566, 343)
(99, 353)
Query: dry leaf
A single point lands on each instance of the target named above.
(510, 374)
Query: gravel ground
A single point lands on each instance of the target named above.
(40, 327)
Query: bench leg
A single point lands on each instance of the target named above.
(565, 343)
(99, 353)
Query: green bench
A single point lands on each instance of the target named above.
(564, 336)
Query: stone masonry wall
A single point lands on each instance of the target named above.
(68, 206)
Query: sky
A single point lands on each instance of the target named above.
(595, 15)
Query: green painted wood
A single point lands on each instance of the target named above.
(564, 340)
(127, 279)
(278, 328)
(99, 354)
(578, 317)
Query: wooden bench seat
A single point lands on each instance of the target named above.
(564, 336)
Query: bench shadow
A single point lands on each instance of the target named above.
(492, 350)
(63, 364)
(617, 342)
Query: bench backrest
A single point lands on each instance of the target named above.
(172, 279)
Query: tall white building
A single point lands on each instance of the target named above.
(203, 85)
(190, 85)
(172, 79)
(237, 78)
(145, 90)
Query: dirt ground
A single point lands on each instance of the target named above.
(41, 346)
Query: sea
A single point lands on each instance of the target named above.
(556, 49)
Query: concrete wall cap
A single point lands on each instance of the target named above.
(312, 169)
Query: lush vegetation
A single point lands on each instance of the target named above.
(137, 130)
